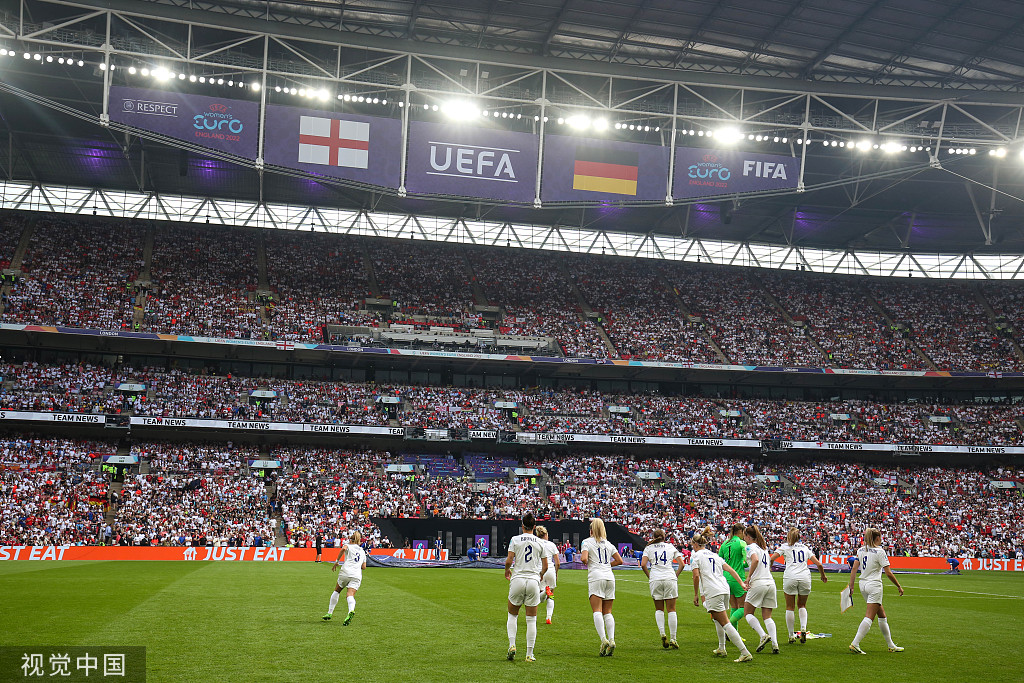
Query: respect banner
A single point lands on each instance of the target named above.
(219, 123)
(578, 169)
(471, 161)
(367, 149)
(707, 172)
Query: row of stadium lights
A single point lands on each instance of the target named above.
(464, 111)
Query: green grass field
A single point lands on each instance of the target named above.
(250, 621)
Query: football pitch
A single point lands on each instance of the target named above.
(252, 621)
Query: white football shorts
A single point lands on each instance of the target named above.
(524, 591)
(762, 595)
(664, 589)
(602, 588)
(796, 585)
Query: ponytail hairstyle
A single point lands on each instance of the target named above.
(540, 531)
(355, 538)
(704, 536)
(597, 529)
(793, 536)
(737, 529)
(658, 536)
(872, 537)
(755, 535)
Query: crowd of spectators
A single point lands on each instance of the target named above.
(537, 299)
(317, 280)
(84, 285)
(948, 322)
(85, 388)
(744, 322)
(425, 278)
(193, 494)
(204, 283)
(50, 494)
(640, 314)
(840, 316)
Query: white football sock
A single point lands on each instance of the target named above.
(334, 602)
(883, 626)
(803, 618)
(531, 634)
(734, 636)
(599, 625)
(512, 626)
(862, 630)
(351, 600)
(790, 621)
(753, 623)
(672, 621)
(609, 627)
(551, 608)
(721, 635)
(769, 626)
(659, 619)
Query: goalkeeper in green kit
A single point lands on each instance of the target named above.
(734, 552)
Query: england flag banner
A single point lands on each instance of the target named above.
(366, 149)
(333, 142)
(471, 161)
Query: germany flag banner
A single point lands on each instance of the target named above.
(605, 170)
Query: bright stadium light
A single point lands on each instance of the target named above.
(600, 124)
(255, 86)
(131, 69)
(162, 74)
(578, 121)
(460, 110)
(728, 135)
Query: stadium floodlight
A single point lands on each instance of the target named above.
(145, 71)
(255, 86)
(49, 59)
(60, 60)
(600, 124)
(162, 74)
(323, 95)
(181, 77)
(578, 121)
(220, 81)
(277, 88)
(202, 79)
(103, 65)
(460, 110)
(193, 78)
(998, 152)
(81, 62)
(38, 57)
(728, 135)
(27, 55)
(131, 69)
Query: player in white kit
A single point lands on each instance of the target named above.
(656, 563)
(352, 560)
(796, 581)
(709, 581)
(550, 580)
(524, 567)
(760, 589)
(600, 556)
(872, 561)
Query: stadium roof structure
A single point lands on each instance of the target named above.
(913, 109)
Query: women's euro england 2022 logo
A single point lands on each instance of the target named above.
(217, 122)
(709, 172)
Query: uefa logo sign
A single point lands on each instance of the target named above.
(128, 105)
(219, 108)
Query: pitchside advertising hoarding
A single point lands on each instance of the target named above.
(471, 161)
(219, 123)
(710, 172)
(367, 149)
(422, 550)
(580, 169)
